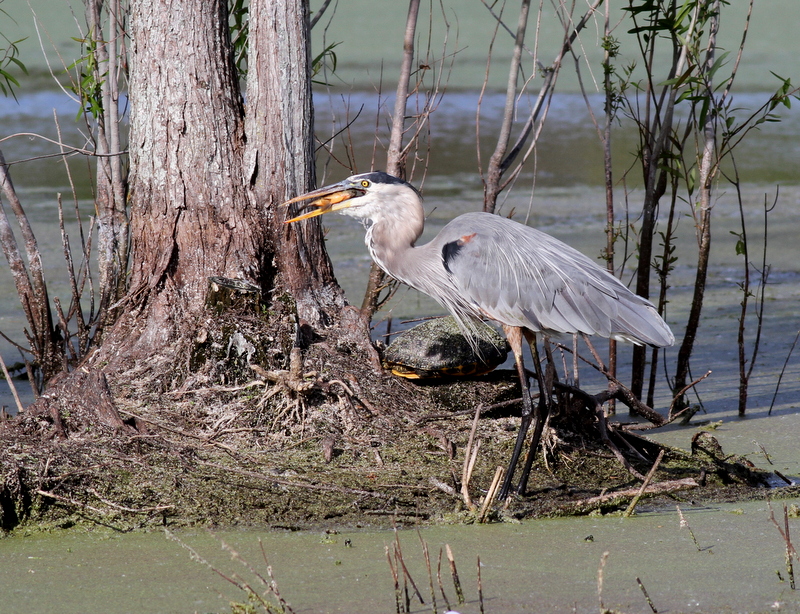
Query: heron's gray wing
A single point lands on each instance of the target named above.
(520, 276)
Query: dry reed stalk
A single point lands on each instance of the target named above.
(402, 565)
(647, 479)
(480, 586)
(491, 494)
(470, 456)
(396, 579)
(20, 408)
(427, 557)
(685, 525)
(646, 596)
(454, 572)
(600, 572)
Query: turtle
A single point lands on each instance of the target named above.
(437, 348)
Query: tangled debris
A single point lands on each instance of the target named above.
(247, 426)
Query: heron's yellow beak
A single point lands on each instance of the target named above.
(327, 199)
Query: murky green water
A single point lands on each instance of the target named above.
(543, 566)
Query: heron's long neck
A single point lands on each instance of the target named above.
(391, 238)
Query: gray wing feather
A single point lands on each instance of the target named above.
(520, 276)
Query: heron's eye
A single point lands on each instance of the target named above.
(364, 183)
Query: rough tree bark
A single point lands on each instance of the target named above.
(190, 215)
(196, 209)
(279, 159)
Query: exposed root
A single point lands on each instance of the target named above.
(300, 433)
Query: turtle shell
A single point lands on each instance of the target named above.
(437, 348)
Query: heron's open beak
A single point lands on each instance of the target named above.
(327, 199)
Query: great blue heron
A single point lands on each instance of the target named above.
(483, 266)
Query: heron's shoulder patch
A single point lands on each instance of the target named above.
(450, 250)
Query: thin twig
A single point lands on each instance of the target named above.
(20, 408)
(784, 533)
(678, 396)
(685, 525)
(480, 587)
(133, 510)
(439, 581)
(291, 483)
(466, 472)
(454, 573)
(141, 510)
(484, 409)
(427, 557)
(668, 486)
(783, 370)
(600, 572)
(399, 552)
(51, 495)
(646, 482)
(491, 494)
(646, 596)
(396, 580)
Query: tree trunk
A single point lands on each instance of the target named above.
(190, 215)
(279, 160)
(204, 198)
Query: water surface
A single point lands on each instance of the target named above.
(537, 566)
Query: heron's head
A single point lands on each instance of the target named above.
(365, 196)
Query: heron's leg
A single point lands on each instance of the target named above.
(514, 336)
(539, 413)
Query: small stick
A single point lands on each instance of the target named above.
(52, 495)
(657, 488)
(396, 579)
(473, 458)
(646, 596)
(789, 547)
(790, 551)
(682, 390)
(784, 533)
(463, 412)
(454, 572)
(595, 355)
(441, 584)
(647, 479)
(491, 494)
(469, 460)
(780, 377)
(407, 600)
(480, 586)
(685, 525)
(600, 571)
(764, 452)
(399, 553)
(426, 554)
(20, 408)
(273, 585)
